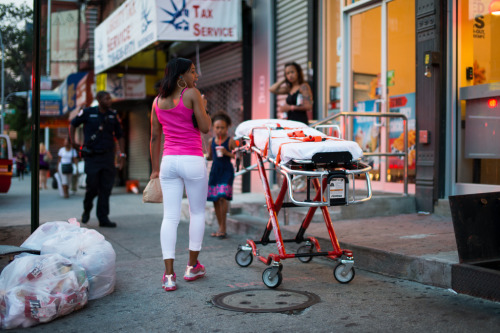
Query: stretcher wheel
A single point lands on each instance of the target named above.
(272, 282)
(243, 258)
(305, 249)
(341, 276)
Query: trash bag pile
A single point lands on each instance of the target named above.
(39, 288)
(75, 265)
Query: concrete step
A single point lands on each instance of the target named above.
(442, 208)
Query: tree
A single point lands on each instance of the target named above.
(16, 24)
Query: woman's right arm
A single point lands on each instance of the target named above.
(155, 143)
(278, 89)
(198, 105)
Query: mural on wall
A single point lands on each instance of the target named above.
(404, 104)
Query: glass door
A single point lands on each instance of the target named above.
(478, 82)
(380, 71)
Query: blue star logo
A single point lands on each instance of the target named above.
(177, 14)
(145, 12)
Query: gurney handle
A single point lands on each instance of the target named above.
(363, 170)
(248, 168)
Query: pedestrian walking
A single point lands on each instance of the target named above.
(179, 112)
(299, 95)
(66, 163)
(44, 161)
(21, 161)
(220, 181)
(101, 125)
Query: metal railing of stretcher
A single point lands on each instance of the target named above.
(404, 154)
(322, 172)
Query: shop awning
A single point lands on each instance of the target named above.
(136, 25)
(50, 103)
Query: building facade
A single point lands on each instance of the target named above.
(135, 40)
(433, 61)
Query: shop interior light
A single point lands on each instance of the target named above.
(492, 103)
(494, 8)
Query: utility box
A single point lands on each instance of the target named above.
(476, 221)
(482, 120)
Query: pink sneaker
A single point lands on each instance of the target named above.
(168, 282)
(194, 272)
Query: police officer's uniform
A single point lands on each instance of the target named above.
(99, 154)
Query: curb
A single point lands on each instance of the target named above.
(429, 272)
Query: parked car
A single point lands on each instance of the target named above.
(6, 161)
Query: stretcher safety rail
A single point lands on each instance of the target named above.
(323, 171)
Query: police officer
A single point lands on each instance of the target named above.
(100, 125)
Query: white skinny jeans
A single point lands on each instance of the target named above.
(177, 171)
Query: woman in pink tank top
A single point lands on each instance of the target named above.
(182, 163)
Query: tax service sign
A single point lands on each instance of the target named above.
(137, 24)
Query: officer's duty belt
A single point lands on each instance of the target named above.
(101, 152)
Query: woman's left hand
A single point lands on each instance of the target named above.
(205, 102)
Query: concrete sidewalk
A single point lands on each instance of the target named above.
(415, 247)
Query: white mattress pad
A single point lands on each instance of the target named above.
(267, 130)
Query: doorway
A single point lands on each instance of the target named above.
(379, 72)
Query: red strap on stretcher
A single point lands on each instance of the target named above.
(298, 135)
(308, 138)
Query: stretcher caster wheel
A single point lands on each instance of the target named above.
(342, 274)
(272, 277)
(243, 258)
(305, 249)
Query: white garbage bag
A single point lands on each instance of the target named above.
(48, 230)
(39, 288)
(90, 250)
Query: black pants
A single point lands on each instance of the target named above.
(298, 116)
(100, 170)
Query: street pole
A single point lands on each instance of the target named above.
(3, 84)
(35, 118)
(47, 62)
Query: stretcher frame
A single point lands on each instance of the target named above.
(318, 175)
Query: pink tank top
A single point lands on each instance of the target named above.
(181, 137)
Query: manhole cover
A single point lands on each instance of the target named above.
(265, 300)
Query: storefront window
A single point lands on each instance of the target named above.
(401, 85)
(369, 59)
(478, 55)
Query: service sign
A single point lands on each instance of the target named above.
(137, 24)
(129, 29)
(199, 20)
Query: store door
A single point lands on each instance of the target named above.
(478, 108)
(379, 69)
